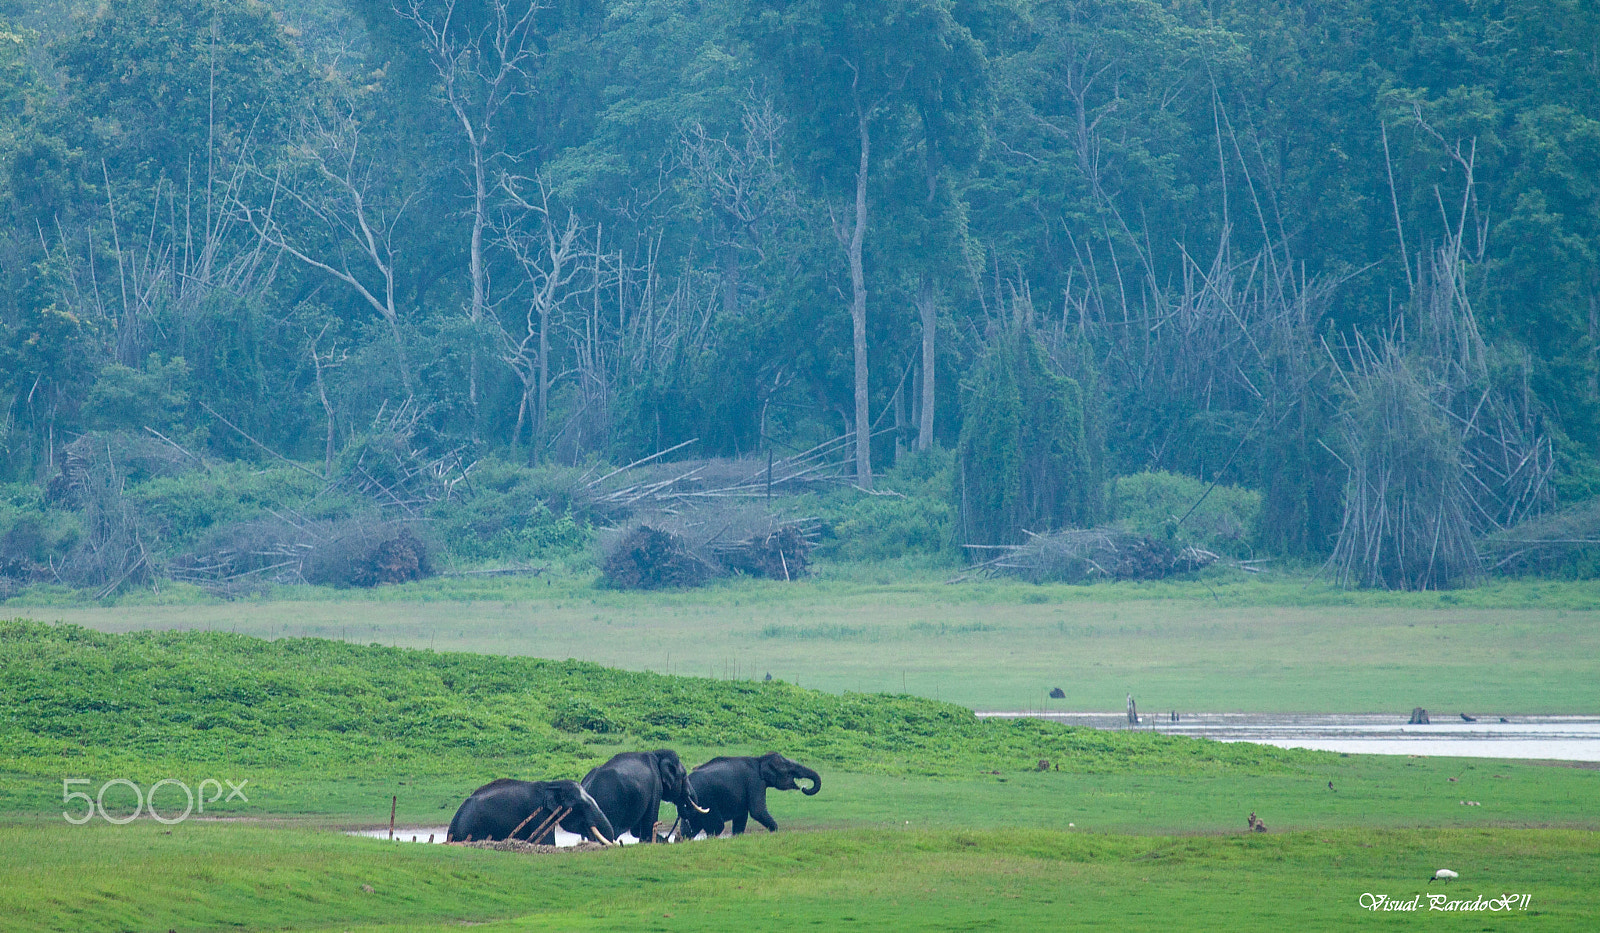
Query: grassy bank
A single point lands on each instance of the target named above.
(199, 876)
(930, 818)
(1282, 645)
(330, 730)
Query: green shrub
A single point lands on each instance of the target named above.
(509, 512)
(1153, 503)
(913, 516)
(186, 505)
(32, 536)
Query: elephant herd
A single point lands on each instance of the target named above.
(625, 795)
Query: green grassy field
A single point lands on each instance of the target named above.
(929, 819)
(210, 876)
(1234, 644)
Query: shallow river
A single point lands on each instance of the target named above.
(1556, 738)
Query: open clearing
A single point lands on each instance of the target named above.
(1279, 647)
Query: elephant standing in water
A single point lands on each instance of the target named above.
(631, 787)
(736, 789)
(507, 808)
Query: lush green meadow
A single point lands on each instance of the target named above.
(1279, 644)
(210, 876)
(930, 818)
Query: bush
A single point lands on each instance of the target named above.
(507, 512)
(32, 537)
(186, 505)
(1152, 503)
(918, 518)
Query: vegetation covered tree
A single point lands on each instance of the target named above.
(1023, 463)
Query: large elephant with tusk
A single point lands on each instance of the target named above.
(631, 787)
(529, 810)
(736, 789)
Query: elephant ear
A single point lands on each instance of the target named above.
(771, 768)
(671, 772)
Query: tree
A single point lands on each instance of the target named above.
(550, 256)
(1023, 462)
(484, 59)
(849, 75)
(341, 222)
(158, 85)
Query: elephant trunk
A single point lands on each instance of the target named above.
(594, 819)
(685, 798)
(809, 775)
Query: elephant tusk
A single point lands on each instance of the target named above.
(602, 837)
(698, 809)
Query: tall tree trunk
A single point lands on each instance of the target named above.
(542, 416)
(480, 206)
(858, 309)
(928, 309)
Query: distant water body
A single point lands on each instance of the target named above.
(1552, 738)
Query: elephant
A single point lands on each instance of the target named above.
(736, 789)
(508, 808)
(631, 786)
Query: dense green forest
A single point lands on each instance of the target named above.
(1340, 254)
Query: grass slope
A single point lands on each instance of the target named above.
(192, 698)
(1229, 644)
(331, 730)
(200, 876)
(912, 830)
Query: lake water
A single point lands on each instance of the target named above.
(1555, 738)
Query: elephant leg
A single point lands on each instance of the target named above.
(764, 818)
(739, 823)
(758, 809)
(711, 827)
(646, 830)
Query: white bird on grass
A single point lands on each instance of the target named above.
(1443, 874)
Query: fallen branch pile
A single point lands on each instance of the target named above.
(686, 484)
(686, 549)
(361, 551)
(1563, 541)
(1089, 555)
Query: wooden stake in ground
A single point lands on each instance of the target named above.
(555, 819)
(393, 801)
(525, 822)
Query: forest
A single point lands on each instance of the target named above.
(995, 269)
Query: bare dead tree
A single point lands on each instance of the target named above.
(551, 256)
(482, 71)
(744, 184)
(1440, 448)
(329, 213)
(321, 363)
